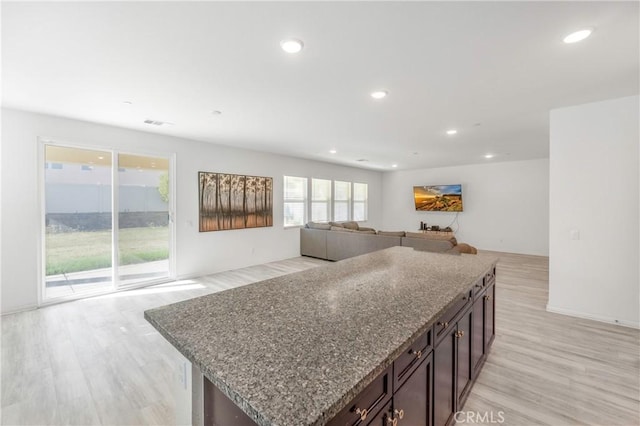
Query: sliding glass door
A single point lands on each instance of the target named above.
(143, 218)
(87, 248)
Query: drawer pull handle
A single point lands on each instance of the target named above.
(443, 324)
(393, 421)
(400, 413)
(418, 355)
(362, 413)
(479, 285)
(459, 333)
(487, 297)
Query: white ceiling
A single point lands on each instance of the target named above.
(491, 70)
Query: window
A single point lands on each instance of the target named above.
(360, 196)
(295, 201)
(341, 200)
(320, 200)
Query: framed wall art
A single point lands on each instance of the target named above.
(229, 201)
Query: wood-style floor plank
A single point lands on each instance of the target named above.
(97, 361)
(546, 368)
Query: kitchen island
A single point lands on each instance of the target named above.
(301, 348)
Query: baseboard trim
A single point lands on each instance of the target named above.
(19, 309)
(593, 317)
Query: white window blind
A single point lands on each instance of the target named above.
(320, 200)
(295, 201)
(341, 200)
(360, 197)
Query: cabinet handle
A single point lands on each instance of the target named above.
(400, 413)
(418, 355)
(487, 297)
(459, 333)
(393, 421)
(443, 324)
(362, 413)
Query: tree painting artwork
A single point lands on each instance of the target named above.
(234, 201)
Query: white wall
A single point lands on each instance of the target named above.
(506, 205)
(595, 192)
(197, 253)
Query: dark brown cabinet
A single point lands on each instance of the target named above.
(382, 418)
(412, 402)
(408, 361)
(370, 401)
(489, 316)
(443, 379)
(425, 385)
(477, 344)
(219, 410)
(483, 324)
(463, 338)
(452, 369)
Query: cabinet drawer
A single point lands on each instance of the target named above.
(408, 361)
(363, 407)
(446, 320)
(479, 286)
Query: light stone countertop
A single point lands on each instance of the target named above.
(295, 349)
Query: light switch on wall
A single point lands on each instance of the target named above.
(574, 234)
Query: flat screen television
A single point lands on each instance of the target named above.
(438, 198)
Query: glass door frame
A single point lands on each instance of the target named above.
(115, 264)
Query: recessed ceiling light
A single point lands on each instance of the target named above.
(578, 36)
(394, 165)
(452, 132)
(100, 157)
(379, 94)
(487, 156)
(291, 45)
(332, 151)
(216, 112)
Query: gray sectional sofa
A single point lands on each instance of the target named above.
(341, 240)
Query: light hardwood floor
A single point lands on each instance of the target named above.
(551, 369)
(97, 361)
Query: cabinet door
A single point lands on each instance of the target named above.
(489, 317)
(463, 362)
(477, 335)
(411, 404)
(443, 379)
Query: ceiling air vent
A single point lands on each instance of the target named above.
(157, 122)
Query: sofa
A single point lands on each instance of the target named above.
(341, 240)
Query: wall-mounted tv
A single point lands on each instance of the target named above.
(438, 198)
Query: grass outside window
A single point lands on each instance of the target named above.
(84, 251)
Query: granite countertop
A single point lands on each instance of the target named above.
(294, 350)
